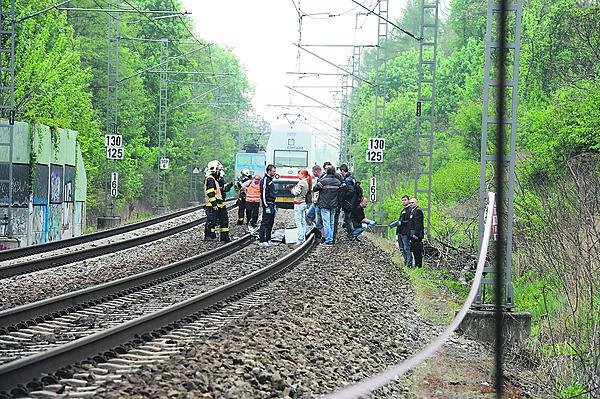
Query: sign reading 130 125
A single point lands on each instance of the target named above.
(114, 153)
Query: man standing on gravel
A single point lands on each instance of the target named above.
(328, 187)
(416, 231)
(267, 199)
(403, 231)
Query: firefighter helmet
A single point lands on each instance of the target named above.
(214, 167)
(246, 172)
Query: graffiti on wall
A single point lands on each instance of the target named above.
(40, 224)
(69, 183)
(78, 219)
(20, 217)
(40, 185)
(56, 184)
(20, 185)
(54, 222)
(66, 225)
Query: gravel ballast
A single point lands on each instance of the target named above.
(345, 314)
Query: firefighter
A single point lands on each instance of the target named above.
(241, 202)
(216, 211)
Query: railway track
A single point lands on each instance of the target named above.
(54, 245)
(97, 330)
(47, 260)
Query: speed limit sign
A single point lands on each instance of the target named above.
(373, 190)
(114, 184)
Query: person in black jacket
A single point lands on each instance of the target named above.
(326, 164)
(348, 198)
(245, 175)
(416, 231)
(267, 199)
(328, 187)
(403, 231)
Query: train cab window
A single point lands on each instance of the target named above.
(298, 159)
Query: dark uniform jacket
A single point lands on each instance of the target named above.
(267, 191)
(403, 228)
(328, 187)
(210, 189)
(348, 193)
(416, 228)
(238, 185)
(358, 215)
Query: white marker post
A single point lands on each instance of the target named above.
(373, 190)
(114, 184)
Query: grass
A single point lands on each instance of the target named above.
(437, 295)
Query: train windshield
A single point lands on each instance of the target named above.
(297, 159)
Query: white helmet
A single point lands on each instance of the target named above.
(245, 172)
(214, 167)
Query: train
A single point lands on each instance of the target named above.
(291, 147)
(251, 158)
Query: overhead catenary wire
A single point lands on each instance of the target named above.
(35, 14)
(389, 22)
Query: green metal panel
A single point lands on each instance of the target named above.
(20, 143)
(59, 146)
(80, 178)
(70, 145)
(41, 144)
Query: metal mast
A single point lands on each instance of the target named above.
(426, 105)
(380, 84)
(490, 123)
(353, 132)
(112, 96)
(7, 107)
(162, 123)
(344, 133)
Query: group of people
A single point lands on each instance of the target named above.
(410, 231)
(318, 201)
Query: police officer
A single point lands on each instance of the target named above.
(216, 211)
(241, 202)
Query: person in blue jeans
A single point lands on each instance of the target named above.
(300, 192)
(359, 222)
(328, 187)
(314, 213)
(403, 230)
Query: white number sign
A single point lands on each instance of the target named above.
(114, 153)
(164, 163)
(114, 184)
(375, 147)
(373, 190)
(376, 144)
(374, 156)
(113, 141)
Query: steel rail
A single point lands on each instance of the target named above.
(87, 253)
(47, 309)
(51, 246)
(25, 370)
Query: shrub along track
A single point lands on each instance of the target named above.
(110, 315)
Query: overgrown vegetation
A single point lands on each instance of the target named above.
(61, 81)
(557, 219)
